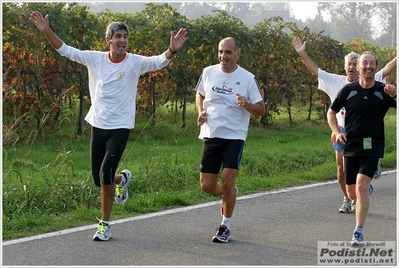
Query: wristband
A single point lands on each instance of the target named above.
(173, 52)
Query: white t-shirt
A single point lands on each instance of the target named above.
(113, 86)
(224, 118)
(333, 83)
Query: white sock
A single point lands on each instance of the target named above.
(106, 222)
(226, 221)
(359, 229)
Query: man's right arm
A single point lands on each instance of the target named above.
(300, 48)
(332, 121)
(43, 25)
(199, 100)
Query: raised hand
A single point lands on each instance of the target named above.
(298, 45)
(41, 23)
(390, 90)
(177, 41)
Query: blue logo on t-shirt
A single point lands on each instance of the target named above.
(223, 90)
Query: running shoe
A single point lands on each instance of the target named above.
(353, 205)
(222, 235)
(346, 206)
(371, 189)
(378, 172)
(357, 240)
(221, 209)
(121, 191)
(103, 232)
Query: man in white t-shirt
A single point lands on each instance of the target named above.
(226, 97)
(113, 79)
(332, 84)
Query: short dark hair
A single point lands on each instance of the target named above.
(370, 53)
(236, 43)
(115, 26)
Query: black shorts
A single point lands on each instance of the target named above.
(366, 165)
(106, 149)
(216, 152)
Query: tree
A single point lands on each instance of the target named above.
(349, 19)
(273, 66)
(38, 82)
(318, 24)
(387, 18)
(237, 9)
(195, 10)
(36, 73)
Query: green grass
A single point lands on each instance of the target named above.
(47, 184)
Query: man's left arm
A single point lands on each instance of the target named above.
(257, 109)
(390, 90)
(388, 69)
(176, 42)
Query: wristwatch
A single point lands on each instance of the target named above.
(173, 52)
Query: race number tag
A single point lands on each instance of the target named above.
(367, 143)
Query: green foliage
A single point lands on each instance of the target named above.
(38, 84)
(33, 90)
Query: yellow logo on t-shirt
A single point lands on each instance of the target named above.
(120, 75)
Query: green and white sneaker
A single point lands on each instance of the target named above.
(103, 232)
(121, 191)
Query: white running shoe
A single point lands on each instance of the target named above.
(103, 232)
(346, 206)
(357, 240)
(222, 234)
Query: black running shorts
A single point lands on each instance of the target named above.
(366, 165)
(217, 152)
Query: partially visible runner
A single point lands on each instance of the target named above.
(226, 97)
(331, 84)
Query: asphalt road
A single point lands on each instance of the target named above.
(268, 229)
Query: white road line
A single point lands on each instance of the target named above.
(170, 211)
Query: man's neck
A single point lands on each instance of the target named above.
(366, 83)
(116, 58)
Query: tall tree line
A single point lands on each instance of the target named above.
(39, 84)
(341, 20)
